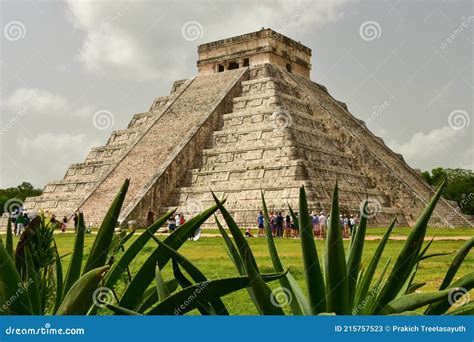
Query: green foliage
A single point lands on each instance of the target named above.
(347, 287)
(20, 192)
(459, 186)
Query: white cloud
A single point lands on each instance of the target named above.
(138, 40)
(42, 102)
(36, 99)
(55, 143)
(439, 147)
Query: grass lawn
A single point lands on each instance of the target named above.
(209, 255)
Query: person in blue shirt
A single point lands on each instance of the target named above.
(260, 219)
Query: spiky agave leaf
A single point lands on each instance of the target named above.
(298, 303)
(133, 295)
(312, 269)
(335, 263)
(355, 256)
(80, 296)
(75, 263)
(409, 254)
(366, 280)
(98, 254)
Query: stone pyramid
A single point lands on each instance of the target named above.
(250, 121)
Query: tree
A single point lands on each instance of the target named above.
(459, 188)
(16, 195)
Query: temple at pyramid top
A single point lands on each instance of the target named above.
(264, 46)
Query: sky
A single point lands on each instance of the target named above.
(73, 71)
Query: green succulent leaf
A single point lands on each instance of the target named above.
(103, 240)
(335, 267)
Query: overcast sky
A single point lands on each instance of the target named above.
(73, 71)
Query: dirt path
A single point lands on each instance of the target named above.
(367, 238)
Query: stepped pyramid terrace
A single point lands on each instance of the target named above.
(251, 120)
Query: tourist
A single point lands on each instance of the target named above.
(53, 219)
(20, 224)
(322, 224)
(287, 226)
(172, 223)
(260, 220)
(27, 219)
(342, 225)
(14, 216)
(150, 218)
(76, 221)
(272, 223)
(315, 222)
(294, 228)
(64, 224)
(279, 224)
(177, 220)
(248, 232)
(181, 219)
(352, 224)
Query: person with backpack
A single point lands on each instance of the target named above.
(20, 223)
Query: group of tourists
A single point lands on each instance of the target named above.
(20, 220)
(174, 222)
(282, 225)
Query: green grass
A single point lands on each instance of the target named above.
(210, 256)
(399, 231)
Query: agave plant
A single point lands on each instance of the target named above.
(24, 289)
(344, 286)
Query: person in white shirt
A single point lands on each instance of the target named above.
(322, 224)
